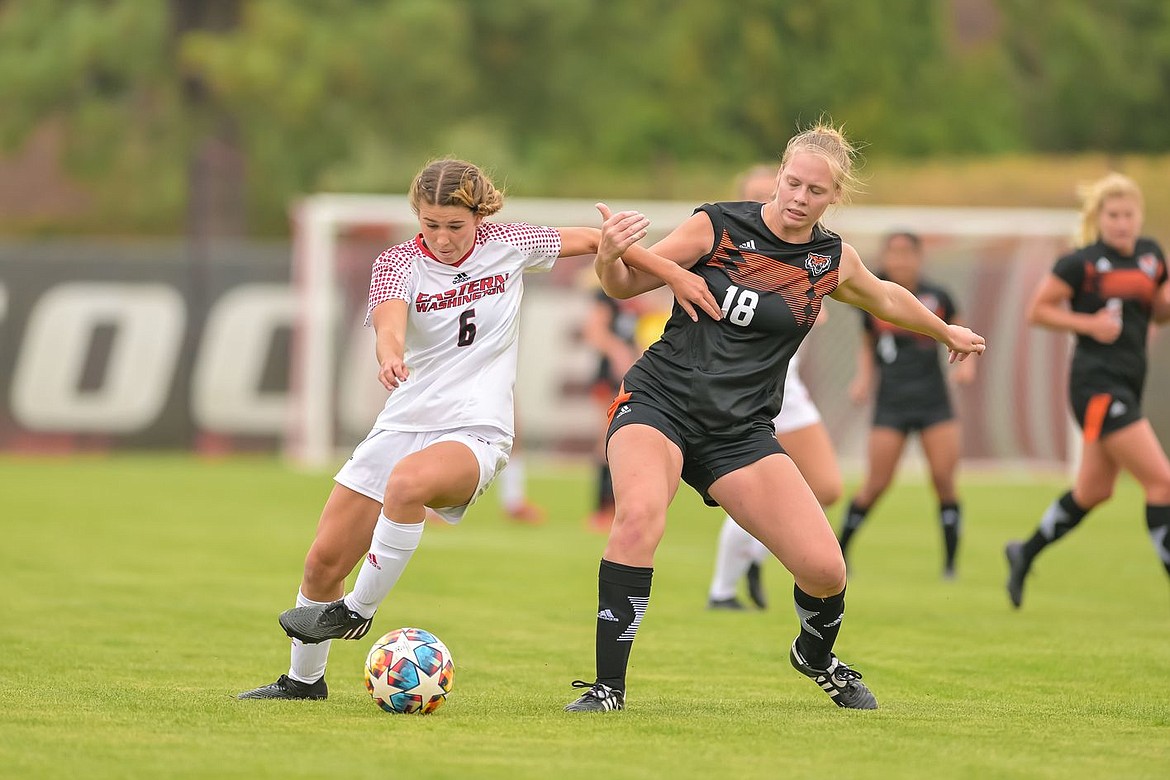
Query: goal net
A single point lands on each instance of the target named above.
(990, 259)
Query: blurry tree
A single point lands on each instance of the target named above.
(306, 95)
(1092, 74)
(103, 71)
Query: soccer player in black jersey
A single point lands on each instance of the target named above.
(911, 397)
(609, 329)
(1107, 293)
(698, 405)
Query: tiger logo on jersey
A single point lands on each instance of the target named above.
(817, 264)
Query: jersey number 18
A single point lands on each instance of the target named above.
(745, 307)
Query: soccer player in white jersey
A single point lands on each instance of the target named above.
(445, 308)
(801, 433)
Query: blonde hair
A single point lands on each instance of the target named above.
(1094, 194)
(828, 142)
(451, 182)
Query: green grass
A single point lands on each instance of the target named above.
(140, 594)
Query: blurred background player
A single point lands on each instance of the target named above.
(619, 331)
(911, 397)
(610, 328)
(513, 482)
(1107, 293)
(803, 436)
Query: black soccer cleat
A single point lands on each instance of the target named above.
(599, 698)
(320, 622)
(843, 684)
(756, 586)
(732, 603)
(286, 687)
(1017, 571)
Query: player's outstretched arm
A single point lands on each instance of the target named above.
(626, 269)
(893, 303)
(389, 320)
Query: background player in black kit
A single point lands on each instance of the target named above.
(698, 405)
(1106, 292)
(911, 397)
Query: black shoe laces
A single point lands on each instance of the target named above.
(596, 690)
(846, 674)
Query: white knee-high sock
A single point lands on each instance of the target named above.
(390, 551)
(732, 559)
(511, 480)
(308, 661)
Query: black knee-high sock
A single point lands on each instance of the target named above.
(604, 487)
(820, 622)
(951, 518)
(1158, 521)
(854, 517)
(622, 595)
(1060, 518)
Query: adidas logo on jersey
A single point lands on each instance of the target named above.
(749, 245)
(622, 411)
(606, 614)
(1117, 408)
(460, 278)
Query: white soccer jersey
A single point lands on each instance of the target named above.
(462, 326)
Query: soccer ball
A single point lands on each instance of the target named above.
(409, 670)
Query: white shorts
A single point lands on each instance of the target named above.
(368, 469)
(798, 410)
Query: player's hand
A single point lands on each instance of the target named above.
(691, 292)
(392, 372)
(963, 342)
(1104, 326)
(619, 232)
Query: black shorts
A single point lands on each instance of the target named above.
(908, 419)
(706, 456)
(1102, 411)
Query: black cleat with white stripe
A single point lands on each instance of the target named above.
(286, 687)
(843, 684)
(320, 622)
(599, 698)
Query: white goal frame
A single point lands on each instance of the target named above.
(319, 219)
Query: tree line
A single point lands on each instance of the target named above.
(279, 97)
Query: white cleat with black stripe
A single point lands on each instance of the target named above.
(599, 698)
(320, 622)
(843, 684)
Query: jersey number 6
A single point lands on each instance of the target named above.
(466, 328)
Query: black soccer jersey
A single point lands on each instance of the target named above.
(1099, 274)
(909, 364)
(726, 377)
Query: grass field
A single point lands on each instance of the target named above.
(141, 594)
